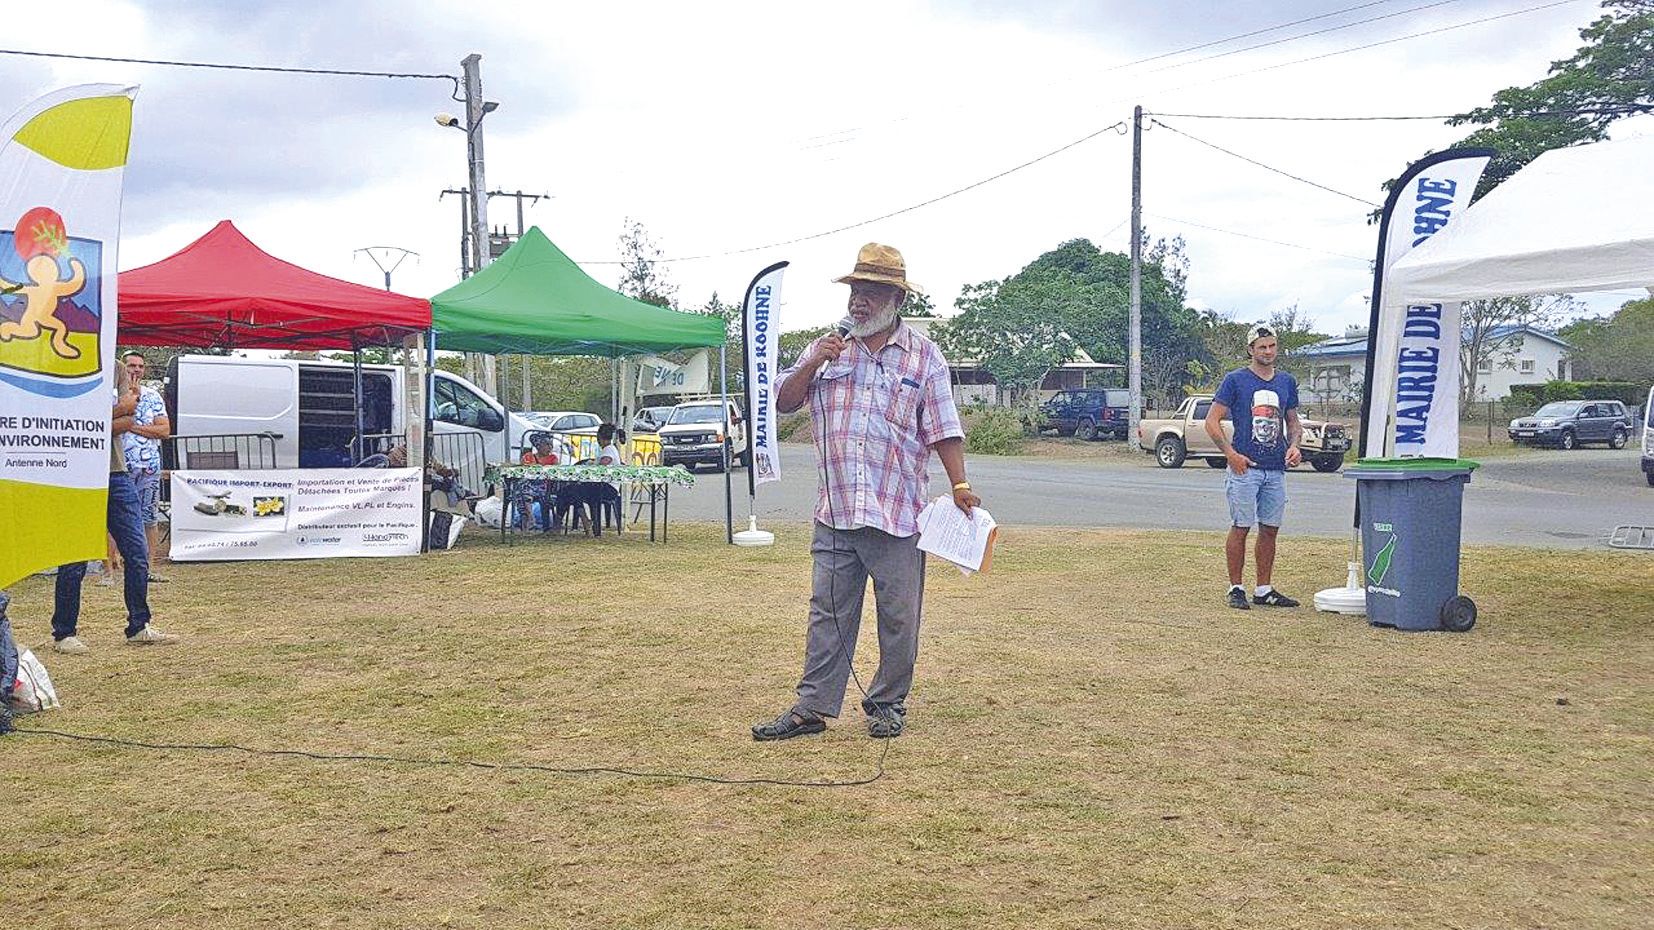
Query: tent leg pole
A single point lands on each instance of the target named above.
(729, 462)
(356, 365)
(429, 375)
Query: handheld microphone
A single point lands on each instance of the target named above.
(842, 327)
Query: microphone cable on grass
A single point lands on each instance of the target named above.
(442, 762)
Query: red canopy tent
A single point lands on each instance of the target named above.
(222, 290)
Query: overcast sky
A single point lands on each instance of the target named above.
(727, 126)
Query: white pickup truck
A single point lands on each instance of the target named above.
(694, 435)
(1183, 436)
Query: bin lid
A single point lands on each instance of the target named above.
(1403, 469)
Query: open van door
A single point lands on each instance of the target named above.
(464, 410)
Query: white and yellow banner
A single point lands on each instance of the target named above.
(62, 159)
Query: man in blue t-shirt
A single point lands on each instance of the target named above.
(1264, 404)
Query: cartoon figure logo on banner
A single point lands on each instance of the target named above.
(51, 312)
(1266, 418)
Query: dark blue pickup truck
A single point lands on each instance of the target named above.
(1088, 413)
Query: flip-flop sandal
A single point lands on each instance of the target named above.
(790, 724)
(886, 724)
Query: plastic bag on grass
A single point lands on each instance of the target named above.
(32, 691)
(488, 512)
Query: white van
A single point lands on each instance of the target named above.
(311, 406)
(1648, 438)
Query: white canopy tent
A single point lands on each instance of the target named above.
(1575, 220)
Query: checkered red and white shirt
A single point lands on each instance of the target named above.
(876, 415)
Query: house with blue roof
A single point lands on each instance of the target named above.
(1521, 354)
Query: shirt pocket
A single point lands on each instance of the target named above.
(900, 399)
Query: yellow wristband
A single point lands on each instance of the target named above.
(962, 486)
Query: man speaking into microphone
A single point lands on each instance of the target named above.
(881, 401)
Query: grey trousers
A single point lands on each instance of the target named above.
(844, 560)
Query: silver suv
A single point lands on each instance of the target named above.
(1567, 424)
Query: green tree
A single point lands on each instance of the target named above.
(1294, 330)
(642, 275)
(794, 343)
(1611, 76)
(1223, 349)
(1619, 347)
(1013, 329)
(919, 307)
(734, 344)
(1095, 307)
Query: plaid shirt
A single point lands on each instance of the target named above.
(876, 415)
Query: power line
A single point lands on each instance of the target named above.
(1253, 161)
(908, 209)
(1247, 35)
(1306, 35)
(1621, 109)
(1360, 48)
(1344, 51)
(851, 131)
(1231, 232)
(226, 66)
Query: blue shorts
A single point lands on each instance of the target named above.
(147, 482)
(1258, 496)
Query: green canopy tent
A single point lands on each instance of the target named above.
(534, 300)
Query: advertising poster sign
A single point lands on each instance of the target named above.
(295, 513)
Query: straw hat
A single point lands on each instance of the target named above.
(880, 264)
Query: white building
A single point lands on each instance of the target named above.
(1520, 355)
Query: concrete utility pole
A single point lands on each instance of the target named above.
(475, 109)
(1136, 339)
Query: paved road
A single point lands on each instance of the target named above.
(1544, 499)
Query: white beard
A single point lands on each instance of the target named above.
(874, 325)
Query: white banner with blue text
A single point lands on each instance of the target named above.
(762, 323)
(1413, 350)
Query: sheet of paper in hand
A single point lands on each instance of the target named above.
(968, 542)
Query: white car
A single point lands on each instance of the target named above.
(576, 432)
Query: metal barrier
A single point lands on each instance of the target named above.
(227, 451)
(465, 453)
(216, 452)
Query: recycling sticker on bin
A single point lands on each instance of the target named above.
(1380, 567)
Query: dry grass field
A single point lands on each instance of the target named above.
(1093, 742)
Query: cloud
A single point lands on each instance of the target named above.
(728, 126)
(215, 143)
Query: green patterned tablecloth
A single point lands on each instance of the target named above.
(637, 474)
